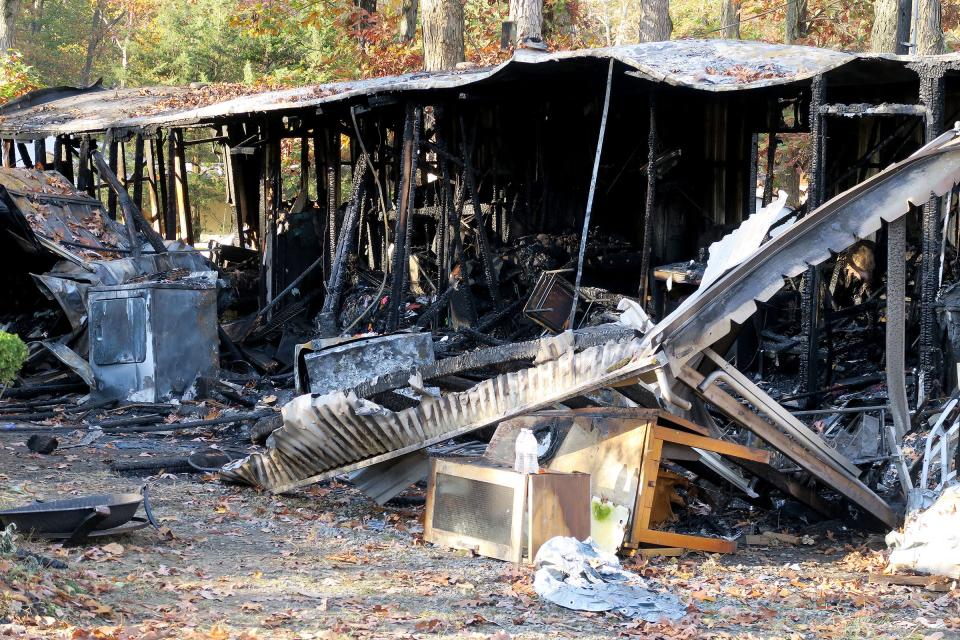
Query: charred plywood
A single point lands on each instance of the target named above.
(48, 212)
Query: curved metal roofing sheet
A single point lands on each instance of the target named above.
(708, 65)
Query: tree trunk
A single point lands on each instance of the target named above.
(730, 20)
(796, 23)
(655, 23)
(527, 15)
(37, 16)
(929, 32)
(408, 19)
(96, 34)
(890, 26)
(442, 23)
(8, 19)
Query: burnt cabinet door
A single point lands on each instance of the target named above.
(118, 330)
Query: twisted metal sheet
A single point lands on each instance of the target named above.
(331, 434)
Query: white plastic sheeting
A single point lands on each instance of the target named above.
(930, 541)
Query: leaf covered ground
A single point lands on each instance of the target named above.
(230, 562)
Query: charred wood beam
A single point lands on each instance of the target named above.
(181, 192)
(153, 184)
(333, 193)
(245, 172)
(85, 174)
(434, 309)
(444, 234)
(24, 155)
(180, 426)
(483, 242)
(931, 96)
(170, 217)
(131, 213)
(650, 203)
(269, 207)
(62, 161)
(133, 217)
(138, 154)
(810, 304)
(113, 146)
(771, 166)
(40, 153)
(405, 203)
(486, 323)
(162, 185)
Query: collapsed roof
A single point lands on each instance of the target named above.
(703, 65)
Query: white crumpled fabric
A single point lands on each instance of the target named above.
(930, 542)
(578, 575)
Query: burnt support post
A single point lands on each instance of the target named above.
(270, 194)
(245, 167)
(810, 300)
(85, 175)
(58, 154)
(483, 241)
(405, 203)
(138, 171)
(334, 148)
(163, 187)
(113, 146)
(327, 321)
(170, 215)
(62, 157)
(24, 155)
(182, 193)
(153, 183)
(931, 97)
(651, 200)
(40, 154)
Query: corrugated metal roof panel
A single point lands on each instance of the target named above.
(327, 435)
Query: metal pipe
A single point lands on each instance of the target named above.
(830, 456)
(816, 412)
(664, 384)
(593, 188)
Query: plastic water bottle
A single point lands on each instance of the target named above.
(526, 453)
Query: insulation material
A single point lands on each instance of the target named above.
(930, 541)
(335, 433)
(736, 246)
(633, 315)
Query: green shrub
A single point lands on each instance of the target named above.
(13, 352)
(16, 77)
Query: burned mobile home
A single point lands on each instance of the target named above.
(406, 262)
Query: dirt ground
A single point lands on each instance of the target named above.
(230, 562)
